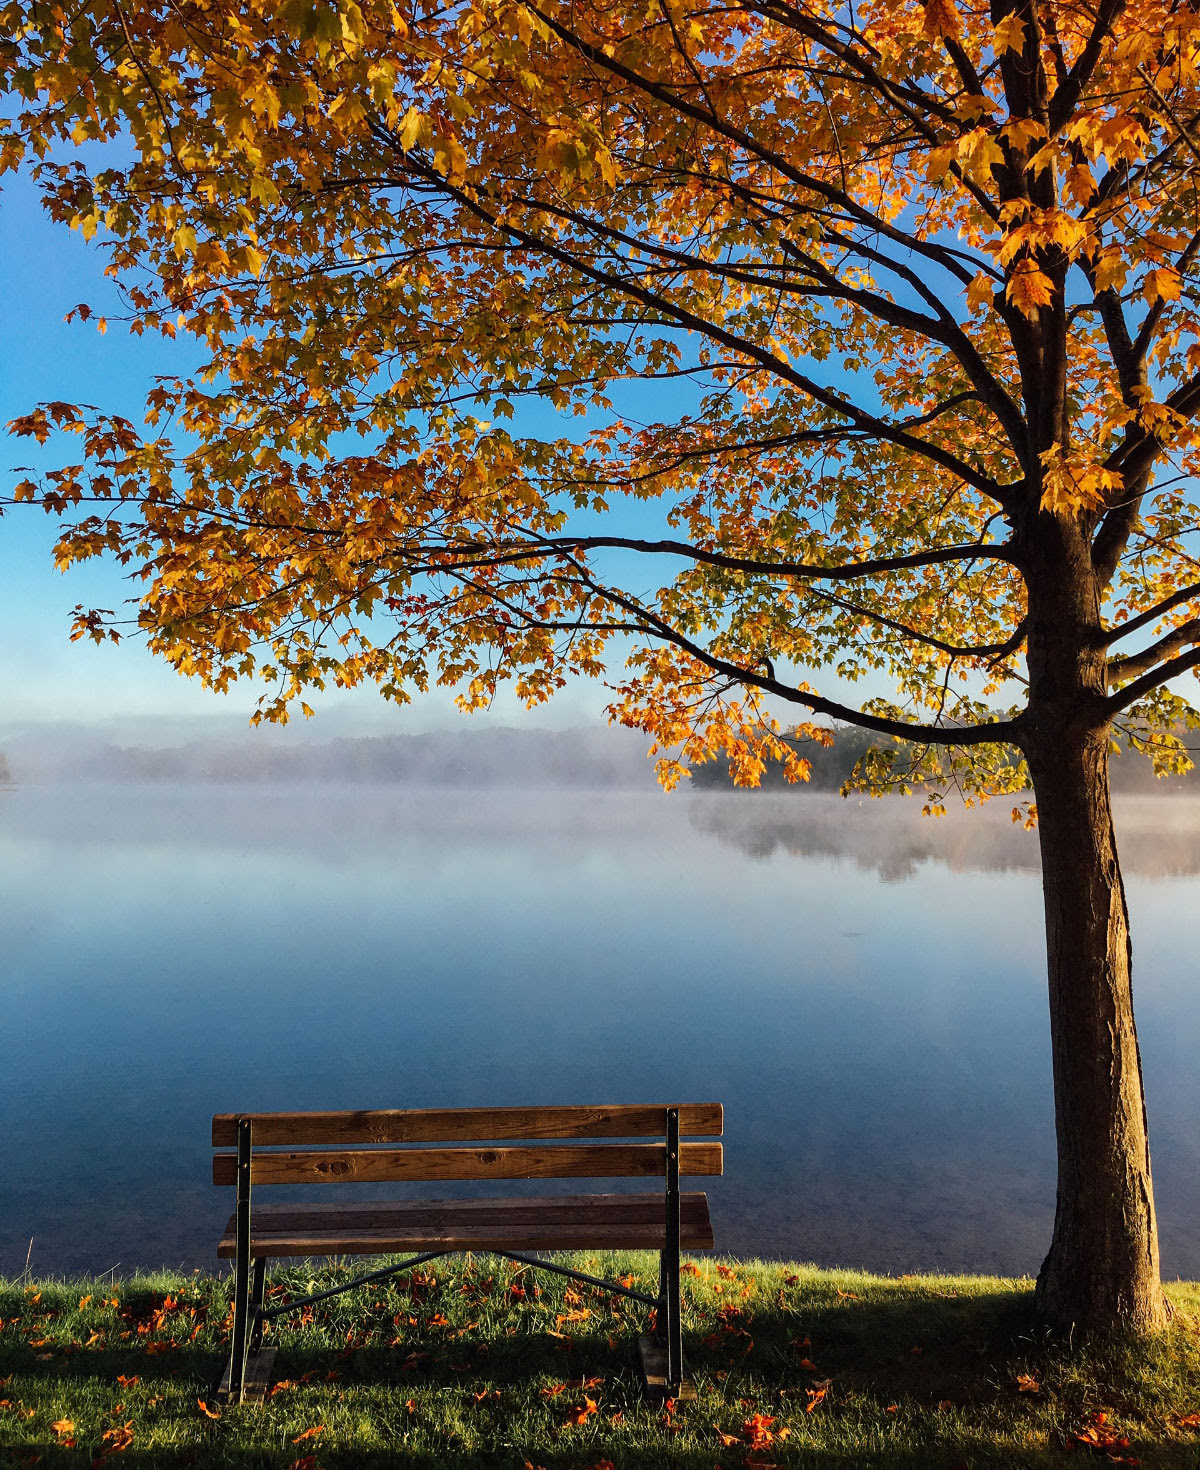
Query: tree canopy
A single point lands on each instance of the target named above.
(925, 270)
(769, 346)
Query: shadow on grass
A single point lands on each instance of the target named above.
(919, 1375)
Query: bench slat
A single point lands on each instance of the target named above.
(566, 1161)
(449, 1125)
(581, 1222)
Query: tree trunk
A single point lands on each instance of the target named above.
(1102, 1272)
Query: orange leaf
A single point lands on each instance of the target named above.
(1099, 1435)
(581, 1412)
(757, 1431)
(1027, 1383)
(117, 1440)
(207, 1411)
(63, 1426)
(941, 19)
(310, 1433)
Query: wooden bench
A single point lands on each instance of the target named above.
(376, 1147)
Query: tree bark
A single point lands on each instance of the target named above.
(1102, 1271)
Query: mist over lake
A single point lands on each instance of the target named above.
(863, 989)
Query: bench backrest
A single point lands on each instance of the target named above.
(333, 1148)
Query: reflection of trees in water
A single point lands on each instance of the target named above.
(1159, 836)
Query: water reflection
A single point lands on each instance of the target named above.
(862, 989)
(1159, 837)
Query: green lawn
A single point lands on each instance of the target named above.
(470, 1363)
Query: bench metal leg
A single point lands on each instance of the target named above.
(669, 1260)
(239, 1343)
(257, 1290)
(670, 1325)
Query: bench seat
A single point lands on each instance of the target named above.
(565, 1222)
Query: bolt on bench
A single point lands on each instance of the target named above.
(359, 1147)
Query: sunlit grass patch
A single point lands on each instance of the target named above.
(477, 1362)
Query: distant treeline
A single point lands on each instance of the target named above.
(833, 765)
(589, 758)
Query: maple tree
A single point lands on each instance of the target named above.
(767, 346)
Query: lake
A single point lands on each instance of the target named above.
(863, 989)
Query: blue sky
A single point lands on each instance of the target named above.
(45, 270)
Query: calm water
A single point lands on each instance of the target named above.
(863, 991)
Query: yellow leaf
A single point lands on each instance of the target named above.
(183, 240)
(414, 130)
(1010, 34)
(450, 158)
(1029, 290)
(1111, 269)
(981, 292)
(1163, 284)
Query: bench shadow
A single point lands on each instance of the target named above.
(37, 1453)
(906, 1346)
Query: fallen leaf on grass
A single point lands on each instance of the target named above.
(809, 1366)
(207, 1410)
(849, 1296)
(279, 1387)
(63, 1426)
(310, 1433)
(1189, 1421)
(127, 1382)
(892, 1409)
(816, 1392)
(758, 1434)
(1100, 1435)
(1027, 1383)
(945, 1404)
(115, 1441)
(581, 1413)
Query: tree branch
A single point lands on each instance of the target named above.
(1139, 663)
(1131, 693)
(1152, 615)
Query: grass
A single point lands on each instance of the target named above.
(472, 1363)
